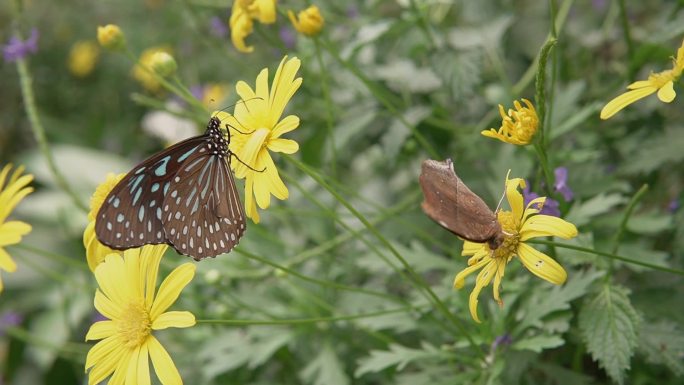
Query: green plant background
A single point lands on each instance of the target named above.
(317, 292)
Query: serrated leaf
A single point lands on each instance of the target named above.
(236, 348)
(643, 253)
(663, 343)
(544, 303)
(325, 369)
(581, 213)
(656, 152)
(538, 343)
(397, 355)
(608, 324)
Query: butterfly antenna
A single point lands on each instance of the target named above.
(498, 205)
(248, 166)
(241, 125)
(238, 102)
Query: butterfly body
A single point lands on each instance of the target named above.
(184, 196)
(449, 202)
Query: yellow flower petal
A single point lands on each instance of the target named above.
(12, 231)
(105, 306)
(138, 367)
(459, 280)
(150, 257)
(498, 276)
(100, 330)
(103, 350)
(471, 248)
(483, 279)
(163, 364)
(514, 197)
(250, 152)
(95, 251)
(119, 376)
(171, 287)
(174, 319)
(546, 225)
(667, 93)
(622, 101)
(6, 262)
(286, 125)
(110, 278)
(541, 264)
(286, 146)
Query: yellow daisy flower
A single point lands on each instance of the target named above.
(142, 70)
(96, 251)
(256, 128)
(242, 16)
(83, 57)
(11, 193)
(661, 82)
(518, 126)
(519, 225)
(126, 296)
(308, 22)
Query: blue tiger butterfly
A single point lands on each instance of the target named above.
(184, 196)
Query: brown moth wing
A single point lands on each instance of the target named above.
(449, 202)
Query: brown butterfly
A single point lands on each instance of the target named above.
(449, 202)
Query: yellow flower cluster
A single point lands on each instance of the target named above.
(244, 12)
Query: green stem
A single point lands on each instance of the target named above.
(376, 90)
(299, 321)
(546, 170)
(69, 350)
(540, 85)
(333, 285)
(415, 278)
(328, 107)
(626, 32)
(39, 133)
(625, 218)
(609, 255)
(54, 256)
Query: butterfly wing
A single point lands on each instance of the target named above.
(202, 215)
(449, 202)
(131, 214)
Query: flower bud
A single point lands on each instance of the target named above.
(111, 37)
(163, 64)
(308, 22)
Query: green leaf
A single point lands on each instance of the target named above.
(538, 343)
(663, 343)
(398, 356)
(649, 223)
(582, 213)
(608, 324)
(325, 369)
(543, 303)
(656, 152)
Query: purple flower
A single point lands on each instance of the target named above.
(288, 36)
(218, 27)
(550, 206)
(17, 49)
(673, 206)
(561, 186)
(352, 12)
(504, 339)
(9, 319)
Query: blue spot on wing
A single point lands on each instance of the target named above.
(155, 187)
(161, 169)
(187, 154)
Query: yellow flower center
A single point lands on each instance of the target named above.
(509, 225)
(135, 325)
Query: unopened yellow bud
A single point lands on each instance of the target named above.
(308, 22)
(111, 37)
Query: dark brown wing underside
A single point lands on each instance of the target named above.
(449, 202)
